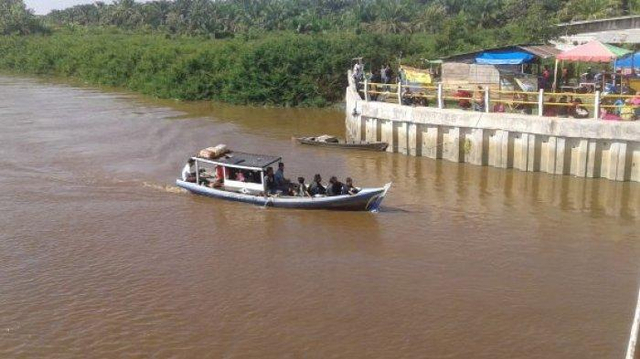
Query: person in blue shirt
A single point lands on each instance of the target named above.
(282, 183)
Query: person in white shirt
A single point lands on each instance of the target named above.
(188, 172)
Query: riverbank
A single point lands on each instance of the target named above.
(281, 69)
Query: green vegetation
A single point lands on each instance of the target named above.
(277, 52)
(16, 19)
(277, 69)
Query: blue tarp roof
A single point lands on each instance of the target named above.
(625, 62)
(504, 58)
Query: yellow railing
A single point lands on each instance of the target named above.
(446, 97)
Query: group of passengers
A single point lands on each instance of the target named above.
(277, 183)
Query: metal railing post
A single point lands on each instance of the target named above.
(596, 106)
(399, 93)
(486, 100)
(541, 102)
(197, 173)
(366, 89)
(440, 99)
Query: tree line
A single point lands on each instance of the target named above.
(224, 18)
(275, 52)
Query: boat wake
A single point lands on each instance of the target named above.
(164, 188)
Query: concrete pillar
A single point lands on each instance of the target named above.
(634, 154)
(431, 141)
(500, 149)
(623, 169)
(362, 133)
(415, 139)
(579, 156)
(548, 155)
(371, 130)
(533, 153)
(401, 130)
(521, 151)
(594, 159)
(387, 135)
(474, 143)
(562, 157)
(616, 165)
(451, 144)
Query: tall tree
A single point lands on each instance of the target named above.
(16, 19)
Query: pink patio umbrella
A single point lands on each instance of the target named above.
(593, 51)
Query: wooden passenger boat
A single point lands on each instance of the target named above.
(253, 188)
(327, 141)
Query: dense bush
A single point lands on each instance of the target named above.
(279, 68)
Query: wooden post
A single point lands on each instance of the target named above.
(633, 337)
(555, 76)
(596, 106)
(399, 93)
(487, 103)
(541, 102)
(440, 97)
(366, 89)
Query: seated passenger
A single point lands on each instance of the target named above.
(218, 179)
(628, 112)
(463, 96)
(578, 110)
(240, 176)
(334, 188)
(563, 108)
(550, 110)
(270, 181)
(188, 172)
(316, 188)
(348, 187)
(301, 189)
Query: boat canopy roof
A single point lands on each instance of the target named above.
(243, 160)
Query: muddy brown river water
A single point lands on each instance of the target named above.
(101, 256)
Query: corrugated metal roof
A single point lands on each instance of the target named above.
(542, 51)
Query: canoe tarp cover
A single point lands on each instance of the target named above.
(504, 58)
(594, 51)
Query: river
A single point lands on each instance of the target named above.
(102, 256)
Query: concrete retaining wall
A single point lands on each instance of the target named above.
(579, 147)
